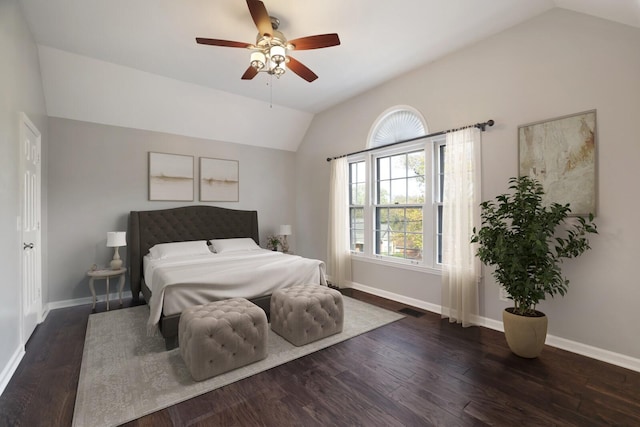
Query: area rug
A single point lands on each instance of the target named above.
(125, 374)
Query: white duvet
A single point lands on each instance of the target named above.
(194, 280)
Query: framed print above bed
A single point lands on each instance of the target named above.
(170, 177)
(219, 180)
(561, 154)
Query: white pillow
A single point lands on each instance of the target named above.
(171, 250)
(234, 245)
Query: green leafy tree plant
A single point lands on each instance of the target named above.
(520, 237)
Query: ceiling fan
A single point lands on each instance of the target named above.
(270, 52)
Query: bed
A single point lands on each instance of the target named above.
(147, 229)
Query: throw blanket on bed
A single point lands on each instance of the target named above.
(246, 274)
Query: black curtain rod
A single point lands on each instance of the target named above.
(482, 126)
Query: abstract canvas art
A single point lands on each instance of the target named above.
(219, 180)
(561, 154)
(170, 177)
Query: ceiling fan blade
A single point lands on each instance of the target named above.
(300, 69)
(225, 43)
(260, 17)
(315, 42)
(250, 73)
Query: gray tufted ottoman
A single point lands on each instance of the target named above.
(305, 313)
(221, 336)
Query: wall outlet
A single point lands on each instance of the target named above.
(503, 295)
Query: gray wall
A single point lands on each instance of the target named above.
(20, 91)
(98, 173)
(556, 64)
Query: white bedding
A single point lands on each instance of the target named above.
(180, 282)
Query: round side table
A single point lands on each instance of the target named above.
(106, 274)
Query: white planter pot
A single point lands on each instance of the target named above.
(525, 335)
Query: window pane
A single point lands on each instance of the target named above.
(357, 217)
(415, 190)
(382, 218)
(399, 191)
(360, 190)
(383, 168)
(361, 175)
(382, 231)
(396, 219)
(397, 244)
(414, 220)
(357, 229)
(353, 194)
(383, 243)
(384, 192)
(414, 246)
(399, 166)
(415, 163)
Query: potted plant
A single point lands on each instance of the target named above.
(520, 237)
(273, 242)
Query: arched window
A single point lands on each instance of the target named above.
(398, 123)
(394, 192)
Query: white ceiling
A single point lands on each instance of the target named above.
(380, 39)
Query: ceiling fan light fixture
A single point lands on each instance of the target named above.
(277, 54)
(279, 69)
(258, 60)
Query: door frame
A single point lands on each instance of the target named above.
(25, 123)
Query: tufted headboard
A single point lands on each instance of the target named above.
(148, 228)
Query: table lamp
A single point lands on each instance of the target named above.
(115, 239)
(285, 230)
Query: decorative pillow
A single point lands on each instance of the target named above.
(233, 245)
(171, 250)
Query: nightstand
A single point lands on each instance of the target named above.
(106, 274)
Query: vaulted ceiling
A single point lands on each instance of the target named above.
(136, 63)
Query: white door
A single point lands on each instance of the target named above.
(30, 145)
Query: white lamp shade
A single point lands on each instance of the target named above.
(258, 60)
(285, 230)
(278, 54)
(116, 239)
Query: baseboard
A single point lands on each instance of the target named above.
(553, 341)
(594, 352)
(87, 300)
(10, 368)
(398, 298)
(45, 313)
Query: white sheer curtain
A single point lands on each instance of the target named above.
(339, 251)
(461, 212)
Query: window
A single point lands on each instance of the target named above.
(395, 201)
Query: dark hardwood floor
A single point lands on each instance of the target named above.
(418, 371)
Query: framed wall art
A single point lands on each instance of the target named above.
(170, 177)
(219, 180)
(561, 154)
